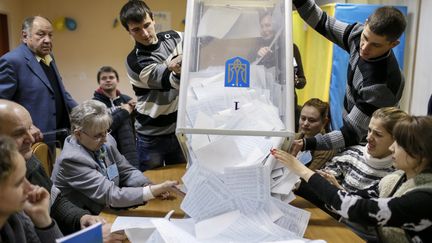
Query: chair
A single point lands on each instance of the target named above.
(43, 154)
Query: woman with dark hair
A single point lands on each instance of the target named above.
(24, 208)
(313, 119)
(402, 213)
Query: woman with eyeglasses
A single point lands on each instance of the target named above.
(92, 173)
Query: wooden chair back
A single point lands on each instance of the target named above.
(43, 154)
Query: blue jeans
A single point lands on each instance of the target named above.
(157, 151)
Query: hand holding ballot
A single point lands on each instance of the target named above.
(296, 147)
(263, 51)
(292, 163)
(175, 64)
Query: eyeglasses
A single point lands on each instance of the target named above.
(98, 137)
(110, 77)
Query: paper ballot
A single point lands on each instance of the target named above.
(251, 182)
(229, 157)
(235, 23)
(122, 223)
(137, 229)
(171, 233)
(143, 229)
(213, 15)
(214, 226)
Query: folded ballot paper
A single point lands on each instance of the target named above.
(235, 24)
(92, 234)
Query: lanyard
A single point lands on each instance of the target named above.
(100, 157)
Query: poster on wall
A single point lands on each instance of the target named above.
(163, 20)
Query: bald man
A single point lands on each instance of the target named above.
(16, 122)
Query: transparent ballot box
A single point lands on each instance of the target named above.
(228, 87)
(235, 105)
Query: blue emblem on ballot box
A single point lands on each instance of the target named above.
(237, 72)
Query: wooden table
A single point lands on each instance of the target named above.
(156, 207)
(321, 225)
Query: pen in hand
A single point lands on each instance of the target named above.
(178, 191)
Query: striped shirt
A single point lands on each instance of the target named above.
(371, 84)
(356, 170)
(155, 86)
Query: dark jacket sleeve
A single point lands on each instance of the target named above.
(34, 234)
(8, 77)
(119, 116)
(404, 211)
(66, 214)
(301, 79)
(430, 106)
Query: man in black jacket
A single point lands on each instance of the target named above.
(121, 106)
(16, 122)
(374, 79)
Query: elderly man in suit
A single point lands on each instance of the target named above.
(29, 76)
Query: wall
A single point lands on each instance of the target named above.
(14, 11)
(422, 81)
(80, 53)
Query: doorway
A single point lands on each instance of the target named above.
(4, 34)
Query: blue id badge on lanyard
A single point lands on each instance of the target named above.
(112, 172)
(304, 156)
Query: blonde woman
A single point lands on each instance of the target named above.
(92, 173)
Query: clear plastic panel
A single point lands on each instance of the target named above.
(228, 86)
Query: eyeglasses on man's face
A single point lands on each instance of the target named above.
(98, 137)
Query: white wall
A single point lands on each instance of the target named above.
(422, 78)
(14, 11)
